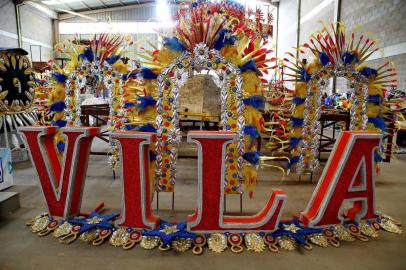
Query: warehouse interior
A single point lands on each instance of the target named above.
(42, 28)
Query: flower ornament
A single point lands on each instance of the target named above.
(81, 81)
(175, 137)
(108, 82)
(201, 54)
(221, 78)
(179, 78)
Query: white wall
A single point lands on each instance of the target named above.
(36, 29)
(287, 26)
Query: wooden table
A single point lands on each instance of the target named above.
(100, 113)
(331, 119)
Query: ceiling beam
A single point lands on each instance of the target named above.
(99, 10)
(83, 3)
(103, 4)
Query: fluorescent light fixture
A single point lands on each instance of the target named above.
(58, 2)
(113, 27)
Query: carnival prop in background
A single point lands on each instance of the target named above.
(331, 53)
(221, 39)
(94, 70)
(16, 94)
(342, 207)
(277, 125)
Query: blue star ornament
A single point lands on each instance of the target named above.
(295, 230)
(167, 232)
(94, 221)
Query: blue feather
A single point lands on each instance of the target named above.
(174, 44)
(375, 99)
(257, 101)
(88, 54)
(324, 59)
(294, 142)
(147, 73)
(250, 130)
(129, 105)
(377, 122)
(145, 101)
(250, 65)
(298, 100)
(61, 78)
(225, 38)
(252, 157)
(377, 157)
(59, 123)
(130, 127)
(349, 57)
(297, 122)
(61, 146)
(152, 156)
(146, 128)
(57, 106)
(304, 75)
(112, 59)
(293, 160)
(369, 72)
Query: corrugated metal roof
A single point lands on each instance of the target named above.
(84, 5)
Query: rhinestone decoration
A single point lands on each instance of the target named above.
(318, 239)
(169, 230)
(368, 229)
(89, 236)
(342, 234)
(149, 242)
(287, 243)
(119, 237)
(254, 242)
(40, 224)
(291, 227)
(217, 242)
(182, 244)
(390, 226)
(63, 229)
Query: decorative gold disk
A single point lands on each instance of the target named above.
(287, 243)
(390, 226)
(217, 242)
(254, 242)
(318, 239)
(149, 242)
(182, 244)
(341, 233)
(119, 237)
(62, 230)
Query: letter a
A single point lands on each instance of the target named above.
(346, 186)
(136, 210)
(209, 215)
(62, 183)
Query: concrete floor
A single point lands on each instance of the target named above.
(20, 249)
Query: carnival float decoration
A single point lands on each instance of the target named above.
(17, 94)
(212, 37)
(224, 40)
(332, 53)
(94, 71)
